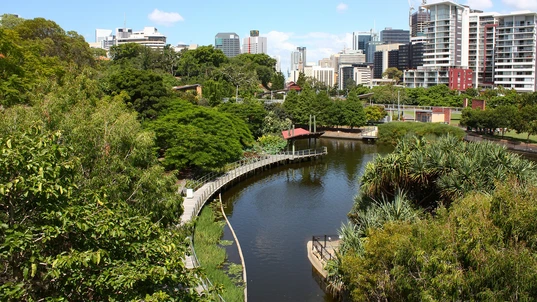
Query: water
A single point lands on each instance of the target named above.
(276, 212)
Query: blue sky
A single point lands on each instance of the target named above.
(323, 26)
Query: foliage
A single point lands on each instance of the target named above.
(191, 136)
(251, 111)
(273, 124)
(272, 144)
(87, 213)
(481, 248)
(146, 90)
(353, 111)
(208, 231)
(436, 173)
(392, 133)
(393, 73)
(277, 81)
(375, 113)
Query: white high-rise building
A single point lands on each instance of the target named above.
(350, 56)
(515, 57)
(254, 43)
(325, 75)
(482, 34)
(447, 35)
(149, 37)
(499, 49)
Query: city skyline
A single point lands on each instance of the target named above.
(324, 29)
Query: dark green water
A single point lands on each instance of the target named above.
(276, 212)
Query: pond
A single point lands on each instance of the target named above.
(276, 212)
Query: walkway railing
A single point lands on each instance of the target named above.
(206, 284)
(517, 146)
(323, 246)
(208, 185)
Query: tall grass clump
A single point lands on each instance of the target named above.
(212, 256)
(391, 133)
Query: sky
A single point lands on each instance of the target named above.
(324, 27)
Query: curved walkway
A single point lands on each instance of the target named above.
(192, 206)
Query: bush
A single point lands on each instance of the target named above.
(391, 133)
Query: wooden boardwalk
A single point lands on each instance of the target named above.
(192, 206)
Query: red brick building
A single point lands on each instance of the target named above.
(460, 79)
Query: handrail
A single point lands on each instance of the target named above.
(205, 280)
(246, 166)
(321, 246)
(244, 162)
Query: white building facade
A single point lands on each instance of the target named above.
(254, 45)
(515, 56)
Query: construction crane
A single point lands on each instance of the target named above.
(410, 13)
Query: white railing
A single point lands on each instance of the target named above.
(212, 185)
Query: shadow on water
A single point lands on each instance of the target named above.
(276, 212)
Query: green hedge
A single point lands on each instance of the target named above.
(390, 133)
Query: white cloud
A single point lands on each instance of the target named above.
(480, 4)
(164, 18)
(522, 4)
(342, 7)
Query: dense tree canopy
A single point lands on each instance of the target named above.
(191, 136)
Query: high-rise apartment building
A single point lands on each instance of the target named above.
(482, 32)
(515, 56)
(447, 35)
(390, 36)
(229, 43)
(254, 43)
(499, 49)
(446, 44)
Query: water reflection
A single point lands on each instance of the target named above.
(276, 212)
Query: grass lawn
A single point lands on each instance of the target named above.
(455, 119)
(522, 137)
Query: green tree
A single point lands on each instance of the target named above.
(191, 136)
(9, 21)
(375, 113)
(251, 111)
(146, 90)
(278, 81)
(393, 73)
(354, 114)
(88, 214)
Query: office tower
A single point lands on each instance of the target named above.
(390, 36)
(360, 40)
(298, 59)
(302, 51)
(229, 43)
(254, 43)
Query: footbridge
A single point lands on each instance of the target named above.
(208, 186)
